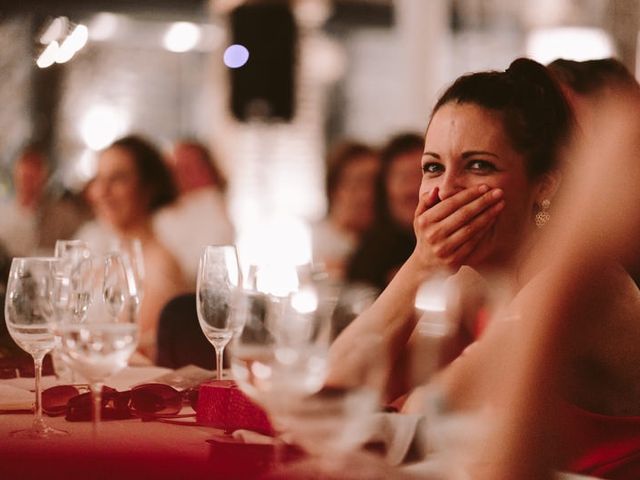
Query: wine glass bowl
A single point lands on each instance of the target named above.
(216, 296)
(29, 313)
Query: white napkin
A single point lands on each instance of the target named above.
(12, 398)
(393, 430)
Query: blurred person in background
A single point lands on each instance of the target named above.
(132, 182)
(199, 216)
(32, 221)
(390, 241)
(352, 169)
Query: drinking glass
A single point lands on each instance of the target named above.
(131, 249)
(280, 360)
(101, 345)
(216, 295)
(284, 344)
(29, 311)
(75, 255)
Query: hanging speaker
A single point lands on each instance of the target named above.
(264, 87)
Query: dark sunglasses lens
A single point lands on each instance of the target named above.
(55, 399)
(192, 396)
(155, 398)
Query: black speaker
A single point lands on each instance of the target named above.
(264, 87)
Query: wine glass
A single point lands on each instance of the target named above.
(216, 294)
(280, 359)
(283, 346)
(75, 255)
(29, 311)
(101, 345)
(131, 249)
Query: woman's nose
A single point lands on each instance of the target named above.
(451, 184)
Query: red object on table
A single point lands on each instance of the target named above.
(222, 404)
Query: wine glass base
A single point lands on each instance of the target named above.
(41, 432)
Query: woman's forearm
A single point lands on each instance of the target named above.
(390, 320)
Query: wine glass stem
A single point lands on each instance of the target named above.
(38, 422)
(219, 360)
(96, 396)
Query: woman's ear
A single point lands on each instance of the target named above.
(548, 186)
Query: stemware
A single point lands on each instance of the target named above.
(29, 311)
(284, 344)
(101, 345)
(216, 295)
(280, 360)
(75, 256)
(131, 250)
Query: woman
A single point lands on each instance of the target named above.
(390, 241)
(131, 183)
(352, 171)
(489, 164)
(490, 172)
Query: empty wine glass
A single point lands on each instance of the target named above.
(280, 359)
(131, 249)
(101, 345)
(284, 343)
(75, 256)
(29, 311)
(216, 294)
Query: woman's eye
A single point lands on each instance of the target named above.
(482, 166)
(432, 167)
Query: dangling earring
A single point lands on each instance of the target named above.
(543, 216)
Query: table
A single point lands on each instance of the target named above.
(123, 449)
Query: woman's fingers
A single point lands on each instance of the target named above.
(473, 228)
(454, 203)
(465, 245)
(427, 201)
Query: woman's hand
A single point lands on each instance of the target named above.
(448, 231)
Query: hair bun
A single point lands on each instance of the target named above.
(528, 70)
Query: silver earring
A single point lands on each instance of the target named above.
(543, 216)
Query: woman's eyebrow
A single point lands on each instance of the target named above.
(471, 153)
(431, 154)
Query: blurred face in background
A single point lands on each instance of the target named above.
(353, 203)
(190, 168)
(29, 177)
(403, 184)
(117, 194)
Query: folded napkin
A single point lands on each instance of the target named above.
(12, 398)
(394, 433)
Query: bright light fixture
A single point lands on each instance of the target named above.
(570, 43)
(181, 37)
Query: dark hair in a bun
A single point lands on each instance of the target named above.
(536, 116)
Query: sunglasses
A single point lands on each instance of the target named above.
(148, 401)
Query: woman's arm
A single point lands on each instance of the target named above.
(447, 232)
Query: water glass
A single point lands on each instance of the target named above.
(29, 314)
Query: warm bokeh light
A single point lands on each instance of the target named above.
(55, 31)
(571, 43)
(103, 26)
(235, 56)
(181, 37)
(48, 55)
(101, 125)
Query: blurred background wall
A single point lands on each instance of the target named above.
(362, 68)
